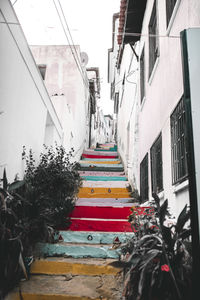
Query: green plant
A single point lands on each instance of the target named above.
(32, 209)
(159, 256)
(52, 185)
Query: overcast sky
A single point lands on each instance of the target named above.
(90, 22)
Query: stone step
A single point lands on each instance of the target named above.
(84, 266)
(100, 192)
(104, 178)
(100, 159)
(69, 287)
(102, 152)
(128, 202)
(94, 237)
(106, 225)
(105, 184)
(101, 212)
(111, 168)
(101, 173)
(106, 162)
(76, 250)
(99, 155)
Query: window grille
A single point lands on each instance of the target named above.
(178, 143)
(153, 39)
(156, 166)
(142, 76)
(170, 4)
(144, 179)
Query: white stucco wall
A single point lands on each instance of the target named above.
(24, 101)
(67, 91)
(163, 91)
(138, 125)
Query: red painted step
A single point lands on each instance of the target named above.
(99, 225)
(101, 212)
(98, 156)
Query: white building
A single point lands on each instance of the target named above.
(159, 118)
(68, 88)
(27, 115)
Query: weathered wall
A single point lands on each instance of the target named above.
(67, 91)
(24, 101)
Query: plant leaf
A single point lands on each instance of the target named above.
(163, 211)
(5, 181)
(15, 185)
(166, 233)
(182, 219)
(157, 200)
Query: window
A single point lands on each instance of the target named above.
(153, 39)
(142, 76)
(144, 179)
(170, 4)
(116, 103)
(178, 143)
(42, 69)
(156, 166)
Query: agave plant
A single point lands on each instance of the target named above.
(158, 264)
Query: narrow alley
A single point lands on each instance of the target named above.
(85, 264)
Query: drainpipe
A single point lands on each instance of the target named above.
(190, 40)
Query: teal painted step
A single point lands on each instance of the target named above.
(104, 178)
(100, 168)
(100, 159)
(106, 150)
(76, 251)
(94, 237)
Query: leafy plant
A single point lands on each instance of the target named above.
(158, 264)
(32, 209)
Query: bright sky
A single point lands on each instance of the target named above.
(90, 23)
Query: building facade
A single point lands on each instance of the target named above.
(160, 118)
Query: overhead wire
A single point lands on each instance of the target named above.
(78, 66)
(70, 35)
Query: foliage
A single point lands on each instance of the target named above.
(158, 264)
(33, 208)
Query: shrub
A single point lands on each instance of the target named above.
(159, 264)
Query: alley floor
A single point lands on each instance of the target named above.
(85, 265)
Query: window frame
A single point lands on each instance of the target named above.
(170, 6)
(42, 69)
(178, 143)
(144, 178)
(157, 165)
(153, 40)
(142, 75)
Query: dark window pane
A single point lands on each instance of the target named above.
(42, 69)
(144, 179)
(170, 4)
(178, 147)
(142, 76)
(153, 39)
(156, 166)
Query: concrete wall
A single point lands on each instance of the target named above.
(164, 89)
(26, 109)
(140, 124)
(68, 92)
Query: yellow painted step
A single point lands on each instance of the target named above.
(27, 296)
(100, 162)
(62, 267)
(87, 192)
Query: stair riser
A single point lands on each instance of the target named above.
(77, 251)
(103, 178)
(102, 173)
(101, 212)
(99, 225)
(93, 237)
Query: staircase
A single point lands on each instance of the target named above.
(85, 264)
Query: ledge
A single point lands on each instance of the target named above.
(180, 187)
